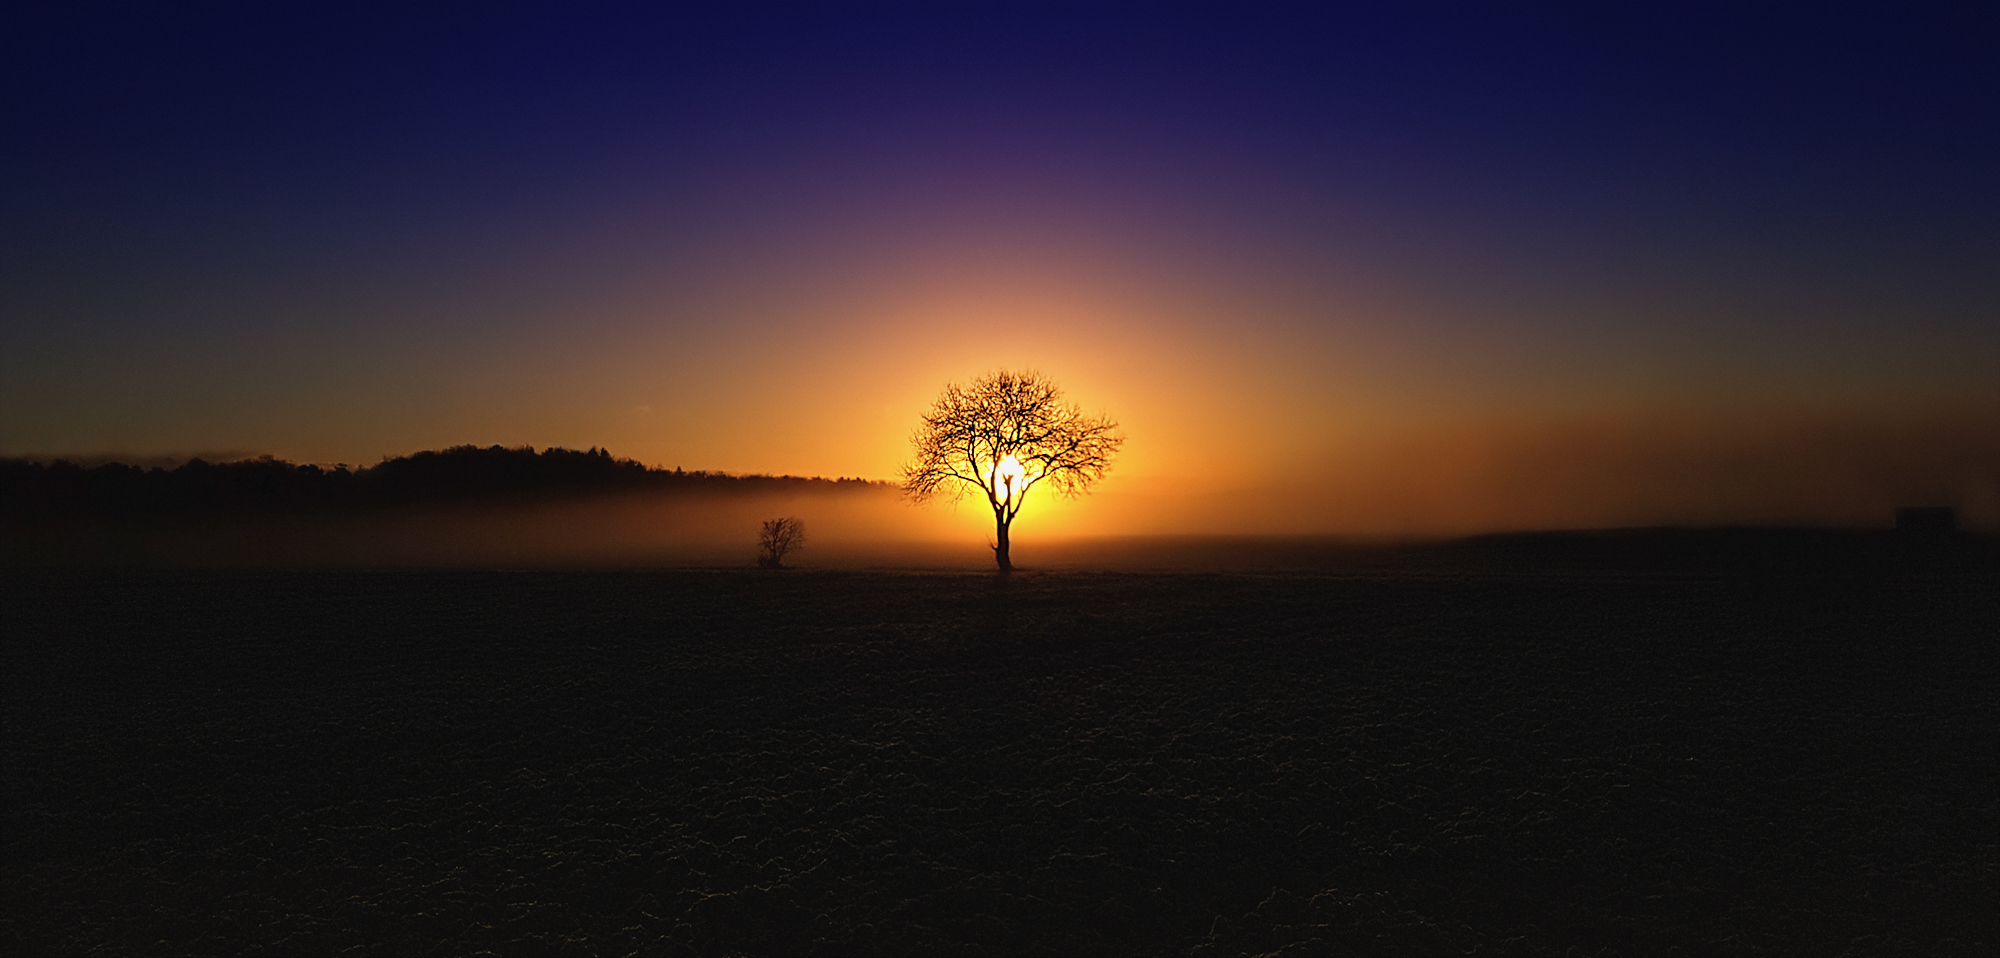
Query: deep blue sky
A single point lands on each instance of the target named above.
(758, 237)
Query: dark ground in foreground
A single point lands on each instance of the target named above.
(1533, 757)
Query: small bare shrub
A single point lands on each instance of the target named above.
(780, 536)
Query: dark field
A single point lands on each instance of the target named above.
(1542, 750)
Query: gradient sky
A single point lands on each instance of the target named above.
(1369, 268)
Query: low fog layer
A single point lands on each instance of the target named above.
(1515, 474)
(494, 507)
(864, 526)
(465, 506)
(705, 529)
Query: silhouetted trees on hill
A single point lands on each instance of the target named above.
(32, 490)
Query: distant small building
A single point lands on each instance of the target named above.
(1927, 520)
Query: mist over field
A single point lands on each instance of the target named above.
(624, 529)
(477, 507)
(1510, 473)
(464, 506)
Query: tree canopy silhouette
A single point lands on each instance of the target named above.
(35, 491)
(1005, 434)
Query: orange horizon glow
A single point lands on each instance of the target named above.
(1316, 296)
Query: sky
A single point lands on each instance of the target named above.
(1348, 268)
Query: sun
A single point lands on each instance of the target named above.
(1008, 476)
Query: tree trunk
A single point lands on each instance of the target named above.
(1000, 548)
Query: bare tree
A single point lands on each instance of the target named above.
(779, 537)
(1003, 435)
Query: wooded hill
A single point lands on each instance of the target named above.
(31, 490)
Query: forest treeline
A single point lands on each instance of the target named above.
(32, 490)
